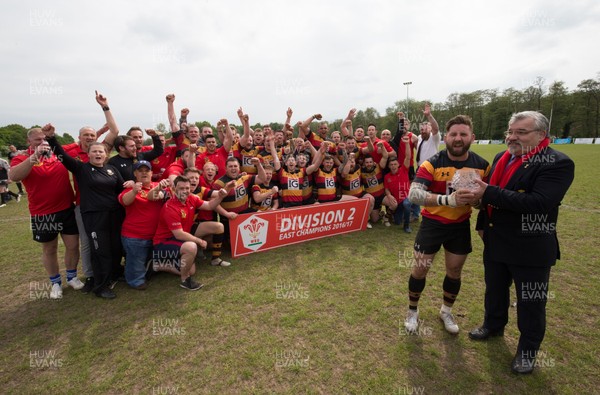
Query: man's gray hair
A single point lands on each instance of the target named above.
(540, 121)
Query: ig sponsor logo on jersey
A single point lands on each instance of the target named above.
(240, 192)
(372, 182)
(293, 183)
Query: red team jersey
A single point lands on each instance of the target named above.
(376, 155)
(176, 215)
(141, 216)
(398, 184)
(48, 186)
(160, 164)
(219, 157)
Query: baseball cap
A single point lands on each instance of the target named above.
(141, 163)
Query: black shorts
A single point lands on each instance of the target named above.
(378, 201)
(456, 238)
(309, 200)
(167, 254)
(46, 227)
(291, 204)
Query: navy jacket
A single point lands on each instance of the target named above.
(522, 227)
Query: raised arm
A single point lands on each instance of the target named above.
(399, 131)
(102, 130)
(384, 154)
(171, 113)
(271, 142)
(347, 165)
(157, 149)
(109, 140)
(245, 120)
(228, 138)
(435, 128)
(318, 158)
(406, 143)
(369, 148)
(70, 163)
(304, 127)
(288, 116)
(346, 127)
(22, 170)
(260, 176)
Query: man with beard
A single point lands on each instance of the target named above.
(245, 150)
(175, 245)
(371, 176)
(128, 154)
(327, 182)
(445, 218)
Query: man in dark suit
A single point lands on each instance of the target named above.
(517, 222)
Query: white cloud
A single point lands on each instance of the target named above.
(267, 55)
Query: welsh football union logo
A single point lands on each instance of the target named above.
(254, 232)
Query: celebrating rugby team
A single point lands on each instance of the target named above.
(162, 206)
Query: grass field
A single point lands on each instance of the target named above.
(319, 317)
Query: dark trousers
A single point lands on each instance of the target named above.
(531, 285)
(104, 231)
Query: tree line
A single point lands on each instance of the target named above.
(572, 113)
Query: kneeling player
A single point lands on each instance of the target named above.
(206, 225)
(175, 247)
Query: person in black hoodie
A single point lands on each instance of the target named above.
(100, 184)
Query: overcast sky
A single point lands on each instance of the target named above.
(265, 55)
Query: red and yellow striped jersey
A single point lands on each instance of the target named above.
(238, 199)
(436, 174)
(326, 184)
(244, 156)
(373, 181)
(351, 184)
(290, 185)
(266, 204)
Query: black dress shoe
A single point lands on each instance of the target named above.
(106, 293)
(483, 333)
(523, 364)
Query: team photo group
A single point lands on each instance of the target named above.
(140, 209)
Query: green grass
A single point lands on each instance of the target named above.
(340, 333)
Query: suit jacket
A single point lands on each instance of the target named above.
(522, 227)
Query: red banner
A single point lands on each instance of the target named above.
(272, 229)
